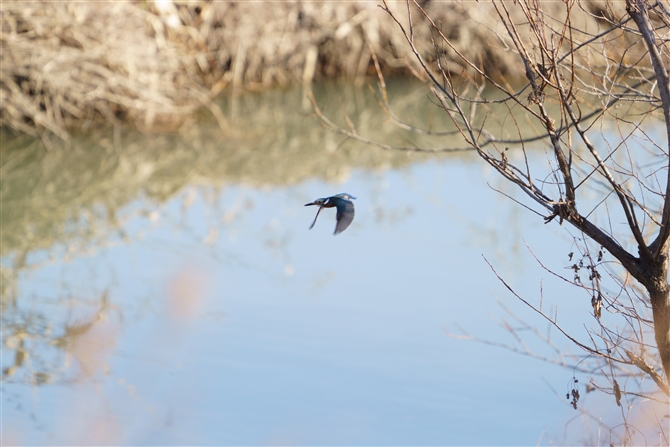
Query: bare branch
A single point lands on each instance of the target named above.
(638, 10)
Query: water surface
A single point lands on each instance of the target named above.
(165, 289)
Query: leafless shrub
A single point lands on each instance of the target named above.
(598, 102)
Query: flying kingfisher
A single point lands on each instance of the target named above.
(345, 209)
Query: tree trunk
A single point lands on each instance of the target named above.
(660, 305)
(654, 259)
(653, 274)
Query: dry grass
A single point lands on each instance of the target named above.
(69, 65)
(66, 64)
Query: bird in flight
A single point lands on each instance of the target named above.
(345, 209)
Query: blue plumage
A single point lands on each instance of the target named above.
(345, 209)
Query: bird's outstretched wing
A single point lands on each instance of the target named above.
(317, 215)
(345, 215)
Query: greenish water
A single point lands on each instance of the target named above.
(166, 290)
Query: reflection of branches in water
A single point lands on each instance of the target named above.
(79, 196)
(43, 347)
(76, 193)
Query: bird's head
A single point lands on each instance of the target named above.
(319, 202)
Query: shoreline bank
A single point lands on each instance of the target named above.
(151, 65)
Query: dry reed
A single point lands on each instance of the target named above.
(69, 65)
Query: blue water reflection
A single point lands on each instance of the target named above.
(226, 321)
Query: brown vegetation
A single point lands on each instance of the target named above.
(66, 65)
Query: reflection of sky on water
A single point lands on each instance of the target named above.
(173, 293)
(228, 322)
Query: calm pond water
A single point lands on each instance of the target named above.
(165, 289)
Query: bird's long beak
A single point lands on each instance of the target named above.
(308, 204)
